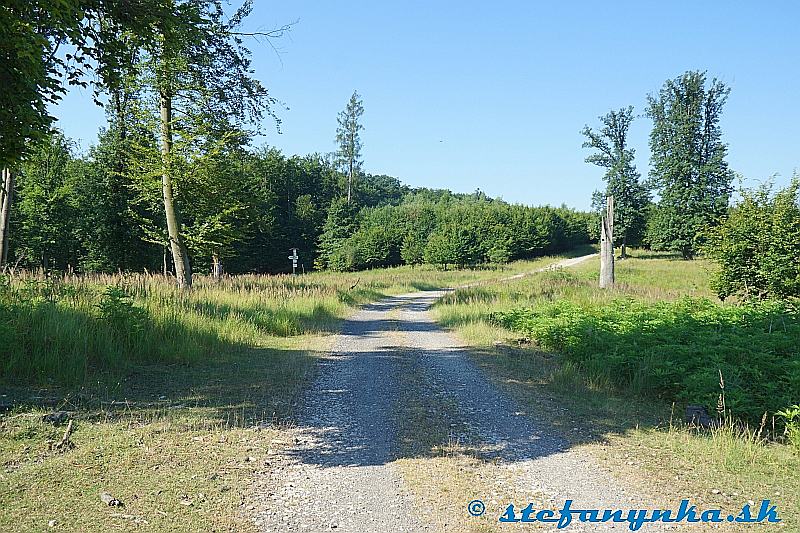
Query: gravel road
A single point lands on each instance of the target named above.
(338, 472)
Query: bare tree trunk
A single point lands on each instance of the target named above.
(607, 246)
(216, 267)
(624, 252)
(6, 197)
(350, 182)
(180, 257)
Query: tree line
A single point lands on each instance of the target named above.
(684, 205)
(446, 230)
(689, 174)
(246, 208)
(174, 184)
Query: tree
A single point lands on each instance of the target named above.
(347, 136)
(45, 221)
(688, 164)
(622, 180)
(34, 72)
(197, 65)
(412, 250)
(453, 244)
(108, 209)
(757, 247)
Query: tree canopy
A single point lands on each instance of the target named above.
(688, 165)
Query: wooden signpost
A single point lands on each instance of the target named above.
(294, 257)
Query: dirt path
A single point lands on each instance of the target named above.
(340, 472)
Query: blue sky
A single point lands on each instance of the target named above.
(493, 95)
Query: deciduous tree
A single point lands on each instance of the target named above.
(688, 165)
(631, 197)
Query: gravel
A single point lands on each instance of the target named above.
(338, 474)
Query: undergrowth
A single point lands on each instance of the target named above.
(676, 350)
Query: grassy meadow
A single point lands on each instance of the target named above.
(177, 398)
(613, 369)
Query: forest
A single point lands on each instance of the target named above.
(246, 209)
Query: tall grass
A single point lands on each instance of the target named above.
(65, 330)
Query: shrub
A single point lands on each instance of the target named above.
(758, 247)
(791, 418)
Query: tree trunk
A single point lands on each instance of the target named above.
(607, 246)
(350, 182)
(216, 267)
(6, 197)
(624, 252)
(180, 257)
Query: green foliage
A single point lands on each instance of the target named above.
(453, 231)
(688, 166)
(757, 247)
(631, 197)
(412, 251)
(791, 419)
(675, 350)
(103, 212)
(44, 229)
(117, 308)
(453, 244)
(35, 74)
(340, 224)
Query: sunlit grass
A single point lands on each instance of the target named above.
(177, 396)
(56, 331)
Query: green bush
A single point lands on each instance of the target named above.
(676, 350)
(791, 418)
(757, 248)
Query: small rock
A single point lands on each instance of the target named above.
(58, 417)
(109, 500)
(52, 523)
(715, 491)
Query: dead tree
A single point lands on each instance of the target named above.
(6, 197)
(607, 246)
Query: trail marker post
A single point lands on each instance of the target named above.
(607, 246)
(294, 257)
